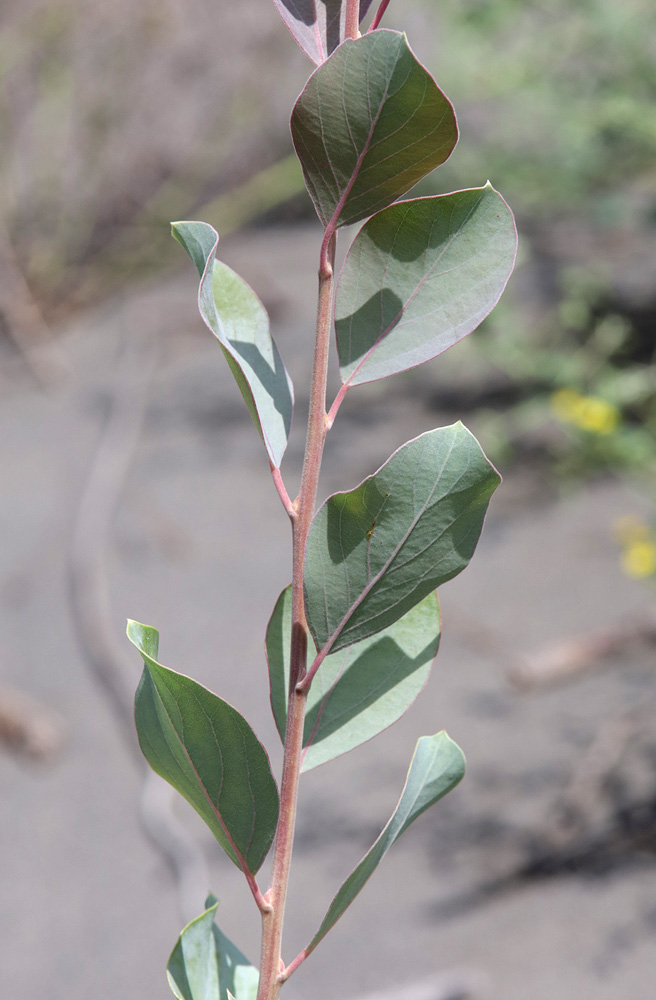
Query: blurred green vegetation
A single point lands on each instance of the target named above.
(580, 392)
(556, 99)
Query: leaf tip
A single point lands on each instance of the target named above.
(199, 239)
(454, 748)
(144, 637)
(177, 232)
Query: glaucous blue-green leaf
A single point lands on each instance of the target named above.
(193, 968)
(317, 25)
(206, 965)
(437, 766)
(376, 551)
(237, 976)
(369, 124)
(238, 320)
(204, 748)
(419, 277)
(358, 691)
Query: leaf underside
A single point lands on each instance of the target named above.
(373, 553)
(204, 748)
(193, 968)
(358, 691)
(419, 277)
(317, 25)
(206, 965)
(369, 124)
(437, 766)
(238, 320)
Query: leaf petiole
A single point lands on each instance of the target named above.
(380, 13)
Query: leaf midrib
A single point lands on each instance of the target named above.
(415, 292)
(213, 807)
(371, 584)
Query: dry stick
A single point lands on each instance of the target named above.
(87, 572)
(271, 963)
(27, 726)
(90, 605)
(25, 323)
(565, 660)
(590, 774)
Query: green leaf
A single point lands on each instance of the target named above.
(419, 277)
(370, 123)
(317, 25)
(437, 766)
(239, 321)
(208, 752)
(193, 968)
(237, 976)
(376, 551)
(206, 965)
(359, 691)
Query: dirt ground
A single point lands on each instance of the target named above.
(536, 878)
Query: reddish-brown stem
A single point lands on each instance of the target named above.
(379, 15)
(270, 965)
(339, 399)
(293, 966)
(305, 683)
(352, 27)
(282, 492)
(262, 904)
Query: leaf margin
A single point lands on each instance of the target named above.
(349, 380)
(336, 908)
(336, 218)
(196, 248)
(146, 638)
(331, 640)
(278, 668)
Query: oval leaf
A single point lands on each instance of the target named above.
(358, 691)
(206, 965)
(238, 320)
(376, 551)
(370, 123)
(437, 766)
(208, 752)
(419, 277)
(317, 25)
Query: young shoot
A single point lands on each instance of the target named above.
(361, 612)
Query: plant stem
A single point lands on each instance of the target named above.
(282, 492)
(379, 15)
(339, 399)
(352, 26)
(271, 963)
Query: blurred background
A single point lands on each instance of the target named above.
(134, 485)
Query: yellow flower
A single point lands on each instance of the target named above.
(588, 413)
(639, 560)
(597, 416)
